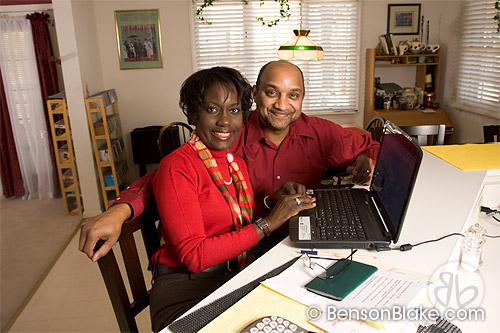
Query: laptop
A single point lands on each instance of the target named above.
(378, 213)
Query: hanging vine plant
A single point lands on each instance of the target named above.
(284, 12)
(497, 16)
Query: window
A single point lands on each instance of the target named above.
(236, 39)
(478, 83)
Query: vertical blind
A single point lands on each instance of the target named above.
(235, 38)
(479, 69)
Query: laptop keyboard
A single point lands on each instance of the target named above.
(337, 217)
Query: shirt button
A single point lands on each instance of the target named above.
(278, 177)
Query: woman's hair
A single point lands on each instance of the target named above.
(194, 89)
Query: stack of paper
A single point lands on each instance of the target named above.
(469, 157)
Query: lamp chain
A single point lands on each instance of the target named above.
(300, 4)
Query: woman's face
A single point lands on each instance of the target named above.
(220, 119)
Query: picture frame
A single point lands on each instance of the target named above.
(138, 38)
(403, 19)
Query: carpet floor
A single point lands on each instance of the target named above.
(32, 235)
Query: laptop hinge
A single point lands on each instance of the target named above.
(386, 231)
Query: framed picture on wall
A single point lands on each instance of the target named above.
(138, 38)
(403, 19)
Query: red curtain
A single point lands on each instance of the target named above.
(12, 181)
(46, 71)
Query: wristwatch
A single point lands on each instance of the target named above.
(262, 225)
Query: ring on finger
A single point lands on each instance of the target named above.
(298, 201)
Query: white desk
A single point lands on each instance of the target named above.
(443, 201)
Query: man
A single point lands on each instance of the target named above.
(278, 142)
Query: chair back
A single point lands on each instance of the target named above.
(491, 133)
(172, 136)
(426, 134)
(376, 128)
(126, 311)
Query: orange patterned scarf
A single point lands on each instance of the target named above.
(241, 210)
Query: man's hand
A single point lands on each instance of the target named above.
(361, 170)
(107, 227)
(287, 188)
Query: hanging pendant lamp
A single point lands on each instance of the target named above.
(300, 47)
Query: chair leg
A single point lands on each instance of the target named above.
(117, 293)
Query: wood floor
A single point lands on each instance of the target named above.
(35, 237)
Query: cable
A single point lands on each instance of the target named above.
(489, 210)
(408, 247)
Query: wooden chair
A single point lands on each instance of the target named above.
(491, 133)
(125, 310)
(172, 136)
(376, 127)
(426, 134)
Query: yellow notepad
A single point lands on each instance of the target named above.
(260, 302)
(469, 156)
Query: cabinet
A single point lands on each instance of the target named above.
(422, 69)
(107, 141)
(65, 157)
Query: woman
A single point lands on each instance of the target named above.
(205, 199)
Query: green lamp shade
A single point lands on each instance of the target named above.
(300, 48)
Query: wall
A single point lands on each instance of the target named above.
(150, 96)
(78, 63)
(145, 96)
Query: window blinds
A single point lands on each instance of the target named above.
(479, 69)
(236, 39)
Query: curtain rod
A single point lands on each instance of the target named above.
(24, 9)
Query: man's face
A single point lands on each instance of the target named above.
(279, 95)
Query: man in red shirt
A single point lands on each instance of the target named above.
(278, 142)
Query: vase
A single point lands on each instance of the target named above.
(410, 97)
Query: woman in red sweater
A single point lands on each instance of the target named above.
(205, 198)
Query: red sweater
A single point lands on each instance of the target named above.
(196, 221)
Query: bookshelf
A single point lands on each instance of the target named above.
(107, 140)
(431, 65)
(65, 157)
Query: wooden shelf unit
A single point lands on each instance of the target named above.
(65, 157)
(107, 140)
(406, 117)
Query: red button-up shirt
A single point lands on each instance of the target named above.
(312, 145)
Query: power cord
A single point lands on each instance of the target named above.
(408, 247)
(489, 210)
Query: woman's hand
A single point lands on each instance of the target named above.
(107, 227)
(287, 188)
(286, 207)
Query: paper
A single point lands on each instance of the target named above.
(382, 289)
(260, 302)
(469, 156)
(385, 289)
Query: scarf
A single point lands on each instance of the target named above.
(241, 210)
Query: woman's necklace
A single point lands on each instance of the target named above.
(229, 182)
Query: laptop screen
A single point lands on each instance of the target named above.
(394, 176)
